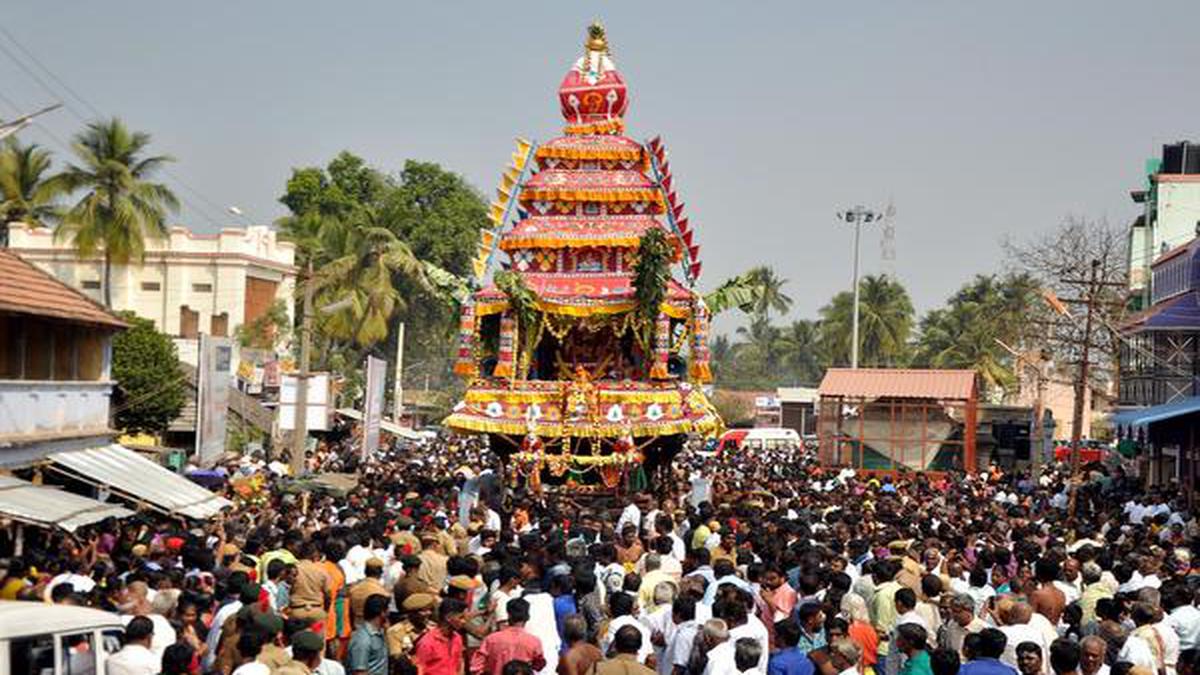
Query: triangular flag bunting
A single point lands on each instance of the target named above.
(677, 209)
(523, 146)
(487, 237)
(694, 251)
(518, 161)
(683, 225)
(666, 183)
(502, 195)
(496, 213)
(478, 266)
(508, 180)
(672, 198)
(695, 269)
(687, 238)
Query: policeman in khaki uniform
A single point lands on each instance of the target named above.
(402, 636)
(370, 585)
(307, 650)
(404, 541)
(272, 654)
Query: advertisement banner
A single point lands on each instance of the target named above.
(373, 404)
(214, 378)
(317, 418)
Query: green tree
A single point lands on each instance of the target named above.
(964, 334)
(362, 230)
(885, 323)
(27, 194)
(438, 214)
(357, 284)
(150, 389)
(121, 207)
(769, 291)
(801, 351)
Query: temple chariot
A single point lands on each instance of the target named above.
(586, 351)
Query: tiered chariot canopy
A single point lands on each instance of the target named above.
(558, 345)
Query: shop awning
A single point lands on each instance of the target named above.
(46, 506)
(136, 478)
(1140, 417)
(390, 427)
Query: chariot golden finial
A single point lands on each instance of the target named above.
(597, 41)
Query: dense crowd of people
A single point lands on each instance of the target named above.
(753, 564)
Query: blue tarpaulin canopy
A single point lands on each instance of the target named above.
(1140, 417)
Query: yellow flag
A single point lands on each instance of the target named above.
(508, 180)
(503, 195)
(497, 213)
(518, 160)
(523, 146)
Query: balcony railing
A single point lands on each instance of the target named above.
(39, 409)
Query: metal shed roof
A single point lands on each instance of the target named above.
(140, 479)
(47, 506)
(898, 383)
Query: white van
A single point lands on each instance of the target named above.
(750, 440)
(41, 639)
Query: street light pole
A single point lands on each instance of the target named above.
(858, 215)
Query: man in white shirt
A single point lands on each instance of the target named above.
(1018, 629)
(631, 515)
(679, 647)
(622, 608)
(1183, 615)
(135, 658)
(1092, 649)
(135, 604)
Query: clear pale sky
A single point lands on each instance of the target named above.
(977, 119)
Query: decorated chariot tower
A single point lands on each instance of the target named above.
(584, 355)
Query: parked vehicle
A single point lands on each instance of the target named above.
(749, 440)
(41, 639)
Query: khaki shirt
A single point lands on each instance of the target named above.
(433, 570)
(406, 540)
(401, 638)
(274, 656)
(292, 668)
(623, 664)
(311, 582)
(359, 593)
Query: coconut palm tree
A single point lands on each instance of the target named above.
(121, 207)
(357, 267)
(801, 351)
(885, 322)
(27, 194)
(762, 348)
(964, 334)
(769, 288)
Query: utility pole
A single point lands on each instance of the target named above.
(1037, 445)
(300, 433)
(398, 385)
(1092, 299)
(857, 216)
(1082, 382)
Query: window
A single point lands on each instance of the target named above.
(91, 285)
(31, 655)
(151, 286)
(78, 654)
(202, 288)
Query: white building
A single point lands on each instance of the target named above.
(55, 365)
(187, 283)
